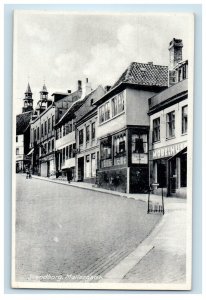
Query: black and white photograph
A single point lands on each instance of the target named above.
(102, 150)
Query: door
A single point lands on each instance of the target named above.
(81, 169)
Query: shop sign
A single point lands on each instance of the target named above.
(139, 158)
(169, 150)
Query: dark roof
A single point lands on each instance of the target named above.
(22, 122)
(144, 74)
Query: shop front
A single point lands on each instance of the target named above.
(124, 161)
(168, 169)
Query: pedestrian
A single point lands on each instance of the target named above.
(69, 175)
(27, 173)
(30, 173)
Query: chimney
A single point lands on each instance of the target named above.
(175, 52)
(79, 85)
(87, 88)
(150, 63)
(107, 88)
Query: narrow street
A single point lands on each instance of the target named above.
(63, 230)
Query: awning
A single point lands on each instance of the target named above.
(184, 150)
(31, 151)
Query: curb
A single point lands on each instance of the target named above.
(109, 192)
(117, 273)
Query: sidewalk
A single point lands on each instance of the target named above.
(170, 202)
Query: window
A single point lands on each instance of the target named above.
(117, 104)
(52, 145)
(87, 133)
(45, 148)
(48, 146)
(93, 130)
(34, 135)
(52, 122)
(45, 127)
(107, 111)
(106, 152)
(63, 130)
(49, 124)
(38, 133)
(156, 130)
(81, 137)
(184, 119)
(104, 112)
(17, 151)
(74, 150)
(139, 148)
(67, 152)
(101, 114)
(120, 149)
(17, 139)
(70, 151)
(42, 129)
(170, 124)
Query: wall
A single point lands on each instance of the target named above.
(137, 107)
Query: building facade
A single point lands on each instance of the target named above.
(123, 128)
(87, 158)
(168, 113)
(46, 115)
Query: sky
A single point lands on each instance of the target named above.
(62, 48)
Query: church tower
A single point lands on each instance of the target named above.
(28, 101)
(44, 102)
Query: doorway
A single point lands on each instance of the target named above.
(81, 169)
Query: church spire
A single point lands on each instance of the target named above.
(28, 101)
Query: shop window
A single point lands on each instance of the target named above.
(93, 130)
(87, 171)
(93, 165)
(106, 152)
(81, 137)
(139, 149)
(87, 133)
(156, 130)
(120, 149)
(184, 118)
(170, 124)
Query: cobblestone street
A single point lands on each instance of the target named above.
(63, 230)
